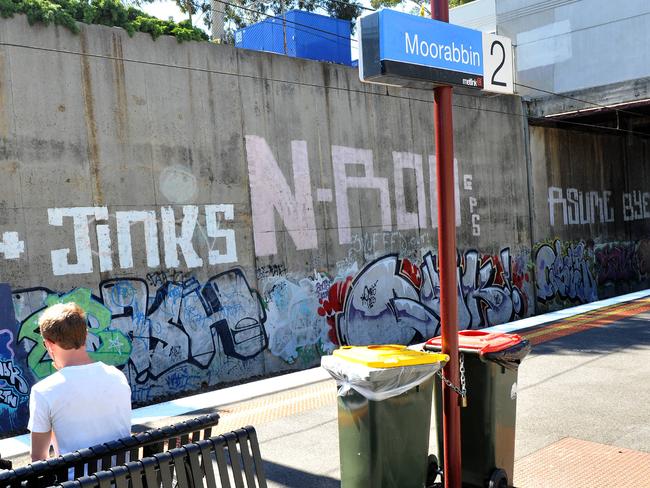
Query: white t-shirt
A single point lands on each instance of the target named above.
(83, 405)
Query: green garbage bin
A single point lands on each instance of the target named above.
(491, 361)
(384, 414)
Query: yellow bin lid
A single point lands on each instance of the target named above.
(388, 356)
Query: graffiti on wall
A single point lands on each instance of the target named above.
(575, 207)
(572, 272)
(393, 300)
(119, 226)
(14, 384)
(578, 207)
(193, 236)
(297, 334)
(636, 205)
(104, 343)
(565, 272)
(616, 261)
(170, 333)
(151, 335)
(294, 201)
(622, 262)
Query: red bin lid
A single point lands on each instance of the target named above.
(481, 341)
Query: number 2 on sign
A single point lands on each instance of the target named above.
(497, 64)
(503, 60)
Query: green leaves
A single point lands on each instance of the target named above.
(393, 3)
(105, 12)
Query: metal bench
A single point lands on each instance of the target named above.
(231, 460)
(102, 456)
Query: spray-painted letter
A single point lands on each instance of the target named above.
(124, 222)
(184, 241)
(270, 191)
(84, 264)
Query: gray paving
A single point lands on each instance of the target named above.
(593, 385)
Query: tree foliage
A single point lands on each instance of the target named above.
(240, 13)
(106, 12)
(395, 3)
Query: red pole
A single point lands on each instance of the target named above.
(444, 137)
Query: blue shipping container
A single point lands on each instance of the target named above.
(308, 35)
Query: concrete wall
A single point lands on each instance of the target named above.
(591, 215)
(224, 214)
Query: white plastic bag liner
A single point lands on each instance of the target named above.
(376, 384)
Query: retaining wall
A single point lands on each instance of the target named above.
(224, 214)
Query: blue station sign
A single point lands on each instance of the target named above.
(403, 49)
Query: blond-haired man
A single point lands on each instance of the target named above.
(85, 402)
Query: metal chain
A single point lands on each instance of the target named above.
(462, 391)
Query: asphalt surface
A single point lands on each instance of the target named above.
(593, 385)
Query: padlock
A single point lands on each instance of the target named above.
(463, 401)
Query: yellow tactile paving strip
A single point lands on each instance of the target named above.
(573, 463)
(274, 407)
(590, 320)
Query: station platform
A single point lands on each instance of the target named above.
(582, 413)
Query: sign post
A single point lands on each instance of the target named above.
(444, 137)
(405, 50)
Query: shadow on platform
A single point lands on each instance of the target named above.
(625, 333)
(294, 478)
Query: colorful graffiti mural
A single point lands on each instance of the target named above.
(617, 262)
(14, 383)
(104, 343)
(574, 272)
(152, 336)
(565, 272)
(172, 333)
(10, 375)
(297, 334)
(393, 300)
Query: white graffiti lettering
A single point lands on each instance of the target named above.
(636, 206)
(409, 219)
(214, 231)
(271, 193)
(172, 242)
(580, 207)
(342, 158)
(60, 263)
(124, 223)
